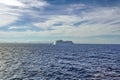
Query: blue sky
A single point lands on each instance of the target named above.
(82, 21)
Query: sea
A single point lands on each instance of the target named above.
(50, 62)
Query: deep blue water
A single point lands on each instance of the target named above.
(49, 62)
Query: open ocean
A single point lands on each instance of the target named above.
(49, 62)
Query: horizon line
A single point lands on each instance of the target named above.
(50, 43)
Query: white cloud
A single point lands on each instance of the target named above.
(84, 30)
(35, 3)
(8, 15)
(18, 27)
(103, 18)
(7, 19)
(64, 20)
(101, 27)
(75, 7)
(102, 15)
(11, 2)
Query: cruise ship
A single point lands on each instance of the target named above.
(63, 43)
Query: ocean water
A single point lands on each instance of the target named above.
(49, 62)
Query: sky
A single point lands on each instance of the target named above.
(81, 21)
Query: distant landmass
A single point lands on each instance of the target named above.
(63, 43)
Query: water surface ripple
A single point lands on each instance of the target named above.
(48, 62)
